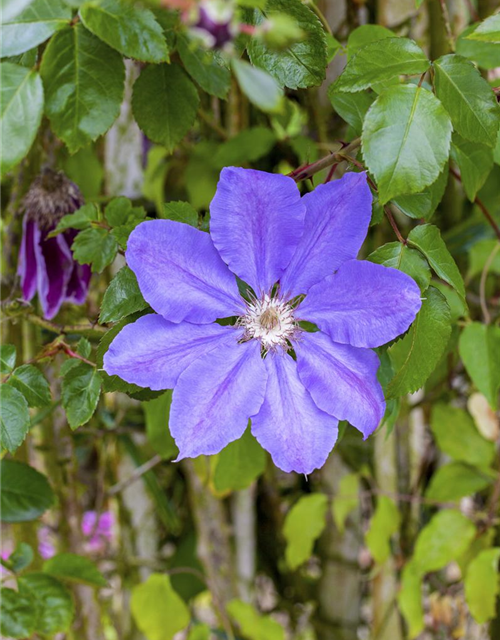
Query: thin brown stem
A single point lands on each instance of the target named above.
(394, 225)
(307, 171)
(481, 205)
(84, 329)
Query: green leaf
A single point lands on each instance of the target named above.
(383, 525)
(410, 600)
(122, 297)
(424, 204)
(74, 568)
(157, 412)
(26, 493)
(21, 94)
(484, 54)
(157, 609)
(479, 348)
(352, 107)
(199, 632)
(475, 161)
(121, 233)
(259, 87)
(345, 500)
(117, 211)
(253, 625)
(427, 239)
(12, 8)
(31, 382)
(14, 418)
(303, 525)
(456, 480)
(53, 602)
(399, 256)
(479, 255)
(33, 26)
(18, 614)
(84, 348)
(85, 169)
(246, 146)
(442, 540)
(130, 29)
(417, 354)
(83, 80)
(482, 585)
(365, 34)
(7, 358)
(301, 64)
(81, 388)
(205, 67)
(22, 557)
(380, 61)
(165, 103)
(180, 212)
(81, 219)
(96, 247)
(414, 131)
(488, 30)
(468, 98)
(239, 464)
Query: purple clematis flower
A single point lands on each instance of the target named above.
(298, 256)
(46, 264)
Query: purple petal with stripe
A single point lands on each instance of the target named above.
(289, 425)
(256, 221)
(337, 217)
(78, 285)
(181, 274)
(54, 267)
(342, 380)
(363, 304)
(215, 397)
(26, 268)
(153, 352)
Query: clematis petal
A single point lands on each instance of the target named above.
(289, 425)
(153, 352)
(26, 268)
(342, 380)
(54, 266)
(181, 274)
(78, 285)
(363, 304)
(256, 220)
(215, 397)
(337, 217)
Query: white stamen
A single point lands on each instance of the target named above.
(270, 320)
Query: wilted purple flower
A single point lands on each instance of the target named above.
(46, 265)
(294, 385)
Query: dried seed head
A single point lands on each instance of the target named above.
(51, 196)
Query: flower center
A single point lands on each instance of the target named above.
(270, 320)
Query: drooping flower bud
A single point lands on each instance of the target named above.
(46, 265)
